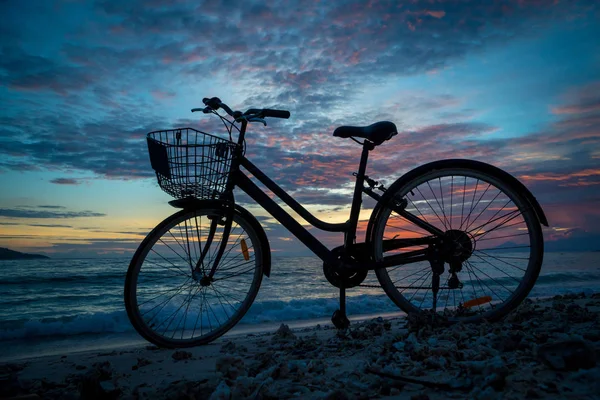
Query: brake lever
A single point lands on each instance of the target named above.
(256, 119)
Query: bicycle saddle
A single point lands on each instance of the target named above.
(377, 133)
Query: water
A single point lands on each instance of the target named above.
(45, 301)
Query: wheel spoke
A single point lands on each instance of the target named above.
(489, 213)
(180, 308)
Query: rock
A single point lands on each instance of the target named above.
(486, 394)
(337, 394)
(142, 362)
(264, 386)
(103, 370)
(549, 387)
(495, 380)
(231, 367)
(399, 346)
(420, 396)
(436, 362)
(243, 387)
(316, 367)
(282, 371)
(181, 355)
(91, 388)
(143, 391)
(222, 392)
(228, 347)
(532, 394)
(567, 355)
(284, 333)
(9, 384)
(110, 388)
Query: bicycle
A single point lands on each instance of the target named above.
(197, 272)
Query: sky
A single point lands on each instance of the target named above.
(514, 83)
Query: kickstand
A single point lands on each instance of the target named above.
(339, 318)
(435, 286)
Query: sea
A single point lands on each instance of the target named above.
(55, 306)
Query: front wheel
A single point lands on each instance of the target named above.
(492, 237)
(169, 297)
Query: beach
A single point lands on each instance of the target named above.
(547, 348)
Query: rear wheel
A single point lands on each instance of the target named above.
(493, 239)
(172, 303)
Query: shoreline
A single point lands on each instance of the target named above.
(101, 342)
(43, 346)
(545, 349)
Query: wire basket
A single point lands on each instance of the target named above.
(190, 163)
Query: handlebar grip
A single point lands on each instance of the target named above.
(213, 102)
(275, 113)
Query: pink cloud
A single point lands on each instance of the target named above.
(436, 14)
(159, 95)
(576, 109)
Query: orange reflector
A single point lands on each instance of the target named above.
(477, 302)
(245, 250)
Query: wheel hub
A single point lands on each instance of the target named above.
(457, 247)
(199, 277)
(205, 281)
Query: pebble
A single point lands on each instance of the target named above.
(284, 333)
(535, 352)
(567, 355)
(222, 392)
(181, 355)
(231, 367)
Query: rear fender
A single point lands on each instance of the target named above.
(455, 163)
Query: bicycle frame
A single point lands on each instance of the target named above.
(241, 180)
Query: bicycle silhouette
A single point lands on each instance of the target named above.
(455, 237)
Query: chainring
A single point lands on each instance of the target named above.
(341, 278)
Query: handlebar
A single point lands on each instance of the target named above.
(215, 103)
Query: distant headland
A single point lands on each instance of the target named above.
(6, 254)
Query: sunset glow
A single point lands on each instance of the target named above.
(515, 84)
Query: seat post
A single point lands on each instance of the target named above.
(357, 198)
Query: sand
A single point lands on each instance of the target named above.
(545, 349)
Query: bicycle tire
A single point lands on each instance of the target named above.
(249, 258)
(411, 187)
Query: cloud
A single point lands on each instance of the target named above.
(587, 173)
(50, 225)
(27, 213)
(580, 100)
(312, 57)
(65, 181)
(101, 89)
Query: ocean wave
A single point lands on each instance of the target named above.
(49, 279)
(260, 312)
